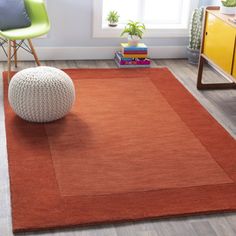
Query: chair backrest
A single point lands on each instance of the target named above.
(37, 11)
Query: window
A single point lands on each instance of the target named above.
(162, 18)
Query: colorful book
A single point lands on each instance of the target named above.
(135, 55)
(139, 51)
(130, 66)
(140, 46)
(134, 52)
(134, 61)
(132, 56)
(124, 60)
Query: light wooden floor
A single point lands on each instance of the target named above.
(221, 104)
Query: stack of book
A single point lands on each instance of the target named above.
(132, 56)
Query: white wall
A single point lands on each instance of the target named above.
(71, 22)
(71, 35)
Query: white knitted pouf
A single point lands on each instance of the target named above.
(41, 94)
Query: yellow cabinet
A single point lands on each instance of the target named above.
(218, 48)
(219, 42)
(234, 64)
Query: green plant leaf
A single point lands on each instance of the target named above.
(134, 28)
(113, 17)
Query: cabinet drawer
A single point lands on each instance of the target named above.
(219, 42)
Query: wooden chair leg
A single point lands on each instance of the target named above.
(9, 61)
(15, 53)
(34, 52)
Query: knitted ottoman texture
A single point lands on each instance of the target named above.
(41, 94)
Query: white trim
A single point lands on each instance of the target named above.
(95, 53)
(150, 33)
(99, 31)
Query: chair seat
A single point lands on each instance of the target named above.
(33, 31)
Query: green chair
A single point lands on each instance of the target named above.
(40, 26)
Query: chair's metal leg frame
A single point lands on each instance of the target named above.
(16, 46)
(3, 41)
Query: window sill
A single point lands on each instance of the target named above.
(115, 32)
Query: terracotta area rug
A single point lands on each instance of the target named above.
(136, 145)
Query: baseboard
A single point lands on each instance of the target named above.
(95, 53)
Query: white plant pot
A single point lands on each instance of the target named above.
(133, 40)
(228, 10)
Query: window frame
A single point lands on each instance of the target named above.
(108, 32)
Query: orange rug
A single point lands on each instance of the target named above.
(135, 146)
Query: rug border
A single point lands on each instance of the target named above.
(185, 95)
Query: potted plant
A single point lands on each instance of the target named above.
(195, 36)
(228, 7)
(135, 31)
(113, 18)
